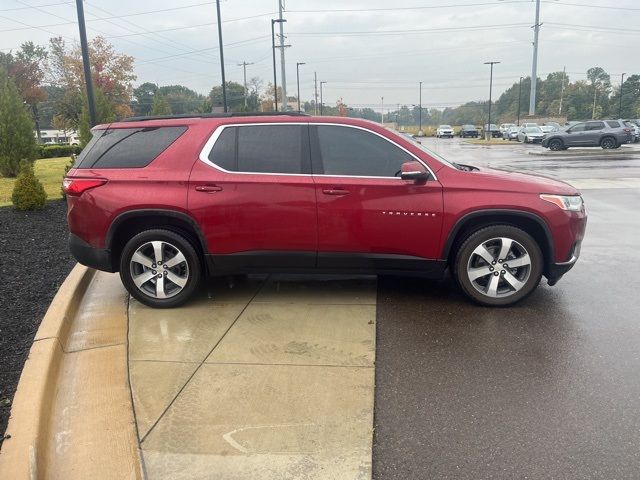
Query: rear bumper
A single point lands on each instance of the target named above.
(97, 258)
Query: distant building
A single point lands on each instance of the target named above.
(52, 137)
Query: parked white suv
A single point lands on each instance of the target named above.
(444, 131)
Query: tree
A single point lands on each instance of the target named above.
(16, 128)
(112, 72)
(181, 99)
(27, 68)
(143, 96)
(630, 98)
(104, 114)
(160, 105)
(235, 96)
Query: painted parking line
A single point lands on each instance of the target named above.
(273, 379)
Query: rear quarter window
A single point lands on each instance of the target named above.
(613, 124)
(127, 147)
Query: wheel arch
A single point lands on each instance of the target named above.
(531, 223)
(132, 222)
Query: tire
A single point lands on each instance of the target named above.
(153, 248)
(513, 283)
(608, 143)
(556, 144)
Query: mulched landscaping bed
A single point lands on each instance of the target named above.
(34, 261)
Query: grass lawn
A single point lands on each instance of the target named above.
(48, 170)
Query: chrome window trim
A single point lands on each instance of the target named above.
(208, 146)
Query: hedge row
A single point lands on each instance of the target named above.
(54, 151)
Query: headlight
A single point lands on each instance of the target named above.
(572, 203)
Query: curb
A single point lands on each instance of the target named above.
(31, 404)
(72, 415)
(586, 153)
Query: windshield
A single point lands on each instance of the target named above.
(445, 126)
(469, 127)
(533, 130)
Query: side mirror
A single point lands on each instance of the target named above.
(414, 171)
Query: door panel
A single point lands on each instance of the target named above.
(256, 212)
(378, 216)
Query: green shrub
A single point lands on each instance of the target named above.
(28, 192)
(57, 151)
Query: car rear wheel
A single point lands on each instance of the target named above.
(608, 143)
(556, 144)
(498, 265)
(160, 268)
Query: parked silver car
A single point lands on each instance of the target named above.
(594, 133)
(530, 135)
(511, 133)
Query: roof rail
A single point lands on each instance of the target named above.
(215, 115)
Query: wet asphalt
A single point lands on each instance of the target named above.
(549, 388)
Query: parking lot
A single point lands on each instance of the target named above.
(546, 389)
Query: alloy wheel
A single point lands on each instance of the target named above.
(159, 269)
(499, 267)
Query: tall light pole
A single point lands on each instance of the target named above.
(315, 83)
(621, 85)
(298, 82)
(534, 66)
(564, 69)
(519, 98)
(224, 85)
(86, 64)
(283, 70)
(420, 132)
(273, 48)
(382, 110)
(244, 68)
(321, 104)
(487, 135)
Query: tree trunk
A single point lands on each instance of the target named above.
(36, 120)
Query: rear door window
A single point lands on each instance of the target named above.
(263, 149)
(595, 125)
(127, 147)
(613, 124)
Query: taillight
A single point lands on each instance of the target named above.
(627, 130)
(77, 186)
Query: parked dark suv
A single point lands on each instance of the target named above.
(166, 200)
(595, 133)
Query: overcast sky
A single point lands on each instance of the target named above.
(375, 49)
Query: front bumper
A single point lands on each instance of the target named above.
(97, 258)
(555, 271)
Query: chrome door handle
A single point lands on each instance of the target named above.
(335, 191)
(208, 188)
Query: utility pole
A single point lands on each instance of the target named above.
(298, 83)
(534, 67)
(283, 70)
(519, 98)
(420, 132)
(382, 110)
(244, 68)
(562, 90)
(224, 83)
(321, 101)
(273, 48)
(315, 82)
(488, 134)
(86, 63)
(621, 85)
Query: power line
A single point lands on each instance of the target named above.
(410, 31)
(387, 9)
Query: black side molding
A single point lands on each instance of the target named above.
(97, 258)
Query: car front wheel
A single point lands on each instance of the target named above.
(498, 265)
(160, 268)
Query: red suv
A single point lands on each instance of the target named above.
(166, 200)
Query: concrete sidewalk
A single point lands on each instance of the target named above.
(271, 379)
